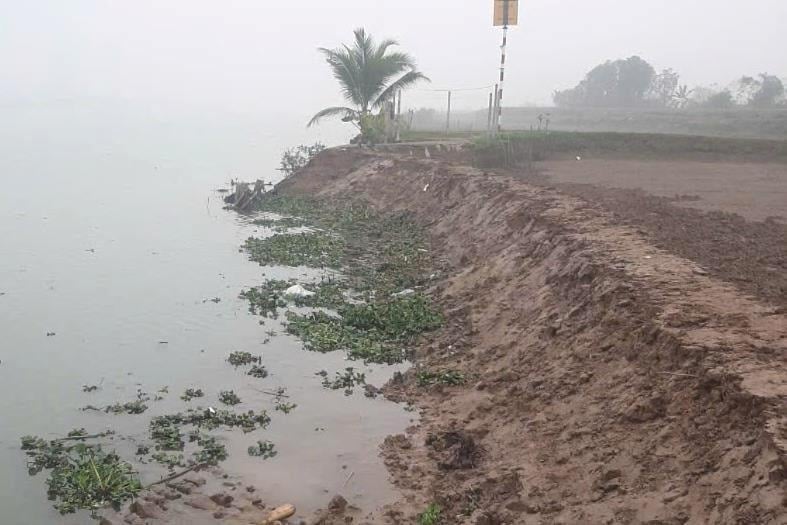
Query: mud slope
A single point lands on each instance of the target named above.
(611, 381)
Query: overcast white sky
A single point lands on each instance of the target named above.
(260, 55)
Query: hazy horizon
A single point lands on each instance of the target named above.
(248, 57)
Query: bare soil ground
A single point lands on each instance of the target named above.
(752, 190)
(617, 375)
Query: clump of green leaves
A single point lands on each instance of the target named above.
(372, 332)
(266, 299)
(285, 407)
(192, 393)
(440, 377)
(316, 249)
(165, 432)
(258, 371)
(169, 460)
(132, 407)
(83, 476)
(263, 449)
(211, 451)
(431, 516)
(346, 380)
(210, 419)
(243, 358)
(229, 397)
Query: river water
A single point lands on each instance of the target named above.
(114, 239)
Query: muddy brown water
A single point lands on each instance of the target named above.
(114, 239)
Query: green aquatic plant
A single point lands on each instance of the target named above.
(243, 358)
(263, 449)
(82, 476)
(132, 407)
(371, 332)
(346, 380)
(192, 393)
(317, 249)
(266, 299)
(210, 451)
(229, 397)
(258, 371)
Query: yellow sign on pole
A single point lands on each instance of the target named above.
(506, 12)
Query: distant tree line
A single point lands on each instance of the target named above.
(633, 82)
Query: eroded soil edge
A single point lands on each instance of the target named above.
(611, 381)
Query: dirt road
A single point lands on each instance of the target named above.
(623, 367)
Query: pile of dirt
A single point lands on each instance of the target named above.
(606, 379)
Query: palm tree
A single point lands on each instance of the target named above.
(369, 76)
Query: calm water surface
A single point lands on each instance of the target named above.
(113, 238)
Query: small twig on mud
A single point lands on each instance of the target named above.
(678, 374)
(268, 393)
(77, 438)
(346, 481)
(179, 474)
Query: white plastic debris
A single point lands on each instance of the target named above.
(298, 291)
(579, 158)
(426, 188)
(408, 291)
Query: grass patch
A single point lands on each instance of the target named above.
(431, 516)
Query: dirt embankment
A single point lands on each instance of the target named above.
(611, 381)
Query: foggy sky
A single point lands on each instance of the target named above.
(260, 55)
